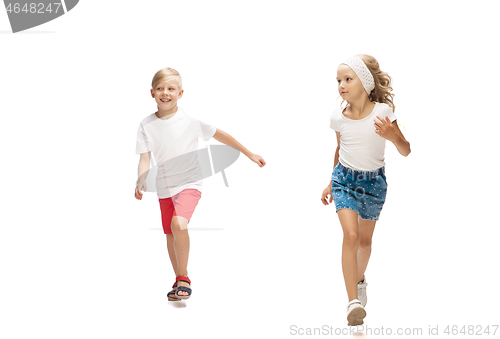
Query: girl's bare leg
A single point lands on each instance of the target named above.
(349, 221)
(181, 248)
(366, 228)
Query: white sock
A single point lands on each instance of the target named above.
(354, 300)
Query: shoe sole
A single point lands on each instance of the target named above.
(174, 298)
(355, 317)
(182, 297)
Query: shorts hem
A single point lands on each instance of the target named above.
(182, 205)
(348, 208)
(371, 219)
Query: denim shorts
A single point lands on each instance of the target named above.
(360, 191)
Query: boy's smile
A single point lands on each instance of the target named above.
(166, 95)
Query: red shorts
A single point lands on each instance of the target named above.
(181, 204)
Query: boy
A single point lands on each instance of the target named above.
(170, 133)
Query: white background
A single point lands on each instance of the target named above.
(81, 258)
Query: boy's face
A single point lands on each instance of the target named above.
(166, 95)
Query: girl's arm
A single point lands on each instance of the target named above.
(390, 131)
(401, 143)
(336, 159)
(328, 190)
(226, 139)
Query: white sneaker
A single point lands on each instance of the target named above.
(355, 313)
(362, 291)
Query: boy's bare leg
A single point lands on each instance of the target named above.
(181, 247)
(366, 228)
(171, 252)
(349, 221)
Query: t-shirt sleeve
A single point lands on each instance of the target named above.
(390, 114)
(205, 131)
(334, 124)
(143, 145)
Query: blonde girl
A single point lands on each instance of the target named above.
(358, 183)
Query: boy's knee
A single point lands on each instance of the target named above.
(178, 224)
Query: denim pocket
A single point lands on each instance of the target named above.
(381, 181)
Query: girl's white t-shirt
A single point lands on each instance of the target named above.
(361, 148)
(174, 143)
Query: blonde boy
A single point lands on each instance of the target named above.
(170, 133)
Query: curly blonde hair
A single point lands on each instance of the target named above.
(381, 92)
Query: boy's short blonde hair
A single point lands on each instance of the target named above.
(167, 74)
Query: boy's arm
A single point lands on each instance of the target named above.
(142, 174)
(226, 139)
(143, 169)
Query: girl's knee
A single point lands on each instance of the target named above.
(351, 238)
(365, 244)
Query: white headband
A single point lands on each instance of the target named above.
(363, 73)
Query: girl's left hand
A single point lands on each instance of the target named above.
(257, 159)
(385, 128)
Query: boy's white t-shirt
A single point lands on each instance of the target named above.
(174, 143)
(361, 148)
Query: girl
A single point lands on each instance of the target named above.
(358, 183)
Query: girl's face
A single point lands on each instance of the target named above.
(350, 86)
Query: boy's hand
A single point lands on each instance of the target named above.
(257, 159)
(324, 197)
(141, 186)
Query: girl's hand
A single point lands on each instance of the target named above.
(141, 186)
(324, 197)
(385, 128)
(257, 159)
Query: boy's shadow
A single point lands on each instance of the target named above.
(194, 229)
(177, 304)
